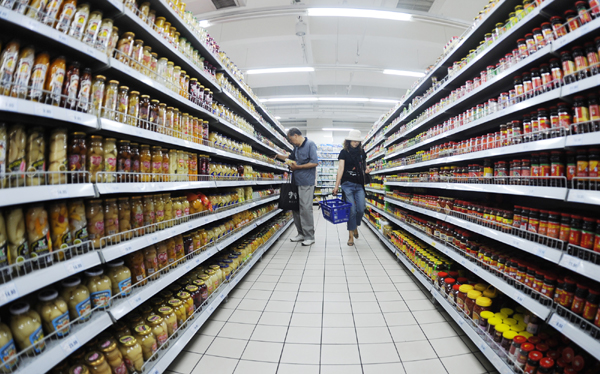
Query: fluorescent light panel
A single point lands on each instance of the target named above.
(304, 69)
(332, 98)
(335, 129)
(205, 24)
(361, 13)
(404, 73)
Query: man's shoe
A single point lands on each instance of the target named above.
(298, 238)
(308, 242)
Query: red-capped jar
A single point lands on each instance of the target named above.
(440, 279)
(523, 354)
(515, 346)
(588, 233)
(591, 305)
(565, 227)
(546, 366)
(579, 299)
(447, 287)
(533, 362)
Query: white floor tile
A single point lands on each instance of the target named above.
(341, 369)
(297, 369)
(236, 331)
(339, 335)
(391, 368)
(378, 353)
(340, 355)
(214, 364)
(301, 353)
(463, 364)
(185, 362)
(262, 351)
(303, 335)
(368, 335)
(414, 351)
(446, 347)
(408, 333)
(265, 333)
(338, 320)
(432, 366)
(306, 320)
(224, 347)
(275, 319)
(246, 367)
(199, 343)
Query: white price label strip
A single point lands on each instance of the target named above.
(70, 345)
(74, 266)
(137, 300)
(8, 292)
(557, 322)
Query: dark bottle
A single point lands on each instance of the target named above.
(568, 67)
(536, 81)
(70, 87)
(583, 170)
(527, 84)
(546, 77)
(593, 173)
(554, 122)
(581, 62)
(557, 169)
(544, 168)
(594, 112)
(591, 52)
(543, 123)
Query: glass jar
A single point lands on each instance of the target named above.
(153, 115)
(151, 262)
(122, 104)
(143, 334)
(132, 353)
(120, 278)
(95, 219)
(97, 364)
(133, 109)
(163, 257)
(159, 211)
(137, 215)
(135, 262)
(159, 329)
(144, 113)
(111, 95)
(149, 216)
(114, 357)
(180, 311)
(95, 156)
(26, 328)
(145, 163)
(157, 158)
(54, 313)
(124, 208)
(168, 210)
(170, 318)
(110, 160)
(100, 287)
(123, 161)
(77, 297)
(58, 156)
(125, 47)
(188, 303)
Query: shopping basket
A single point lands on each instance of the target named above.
(335, 210)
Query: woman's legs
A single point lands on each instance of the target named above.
(359, 198)
(355, 195)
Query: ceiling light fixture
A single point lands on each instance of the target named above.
(344, 99)
(330, 98)
(362, 13)
(305, 69)
(289, 99)
(277, 117)
(205, 24)
(335, 129)
(404, 73)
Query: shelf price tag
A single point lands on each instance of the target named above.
(572, 263)
(557, 322)
(482, 346)
(137, 300)
(44, 110)
(60, 192)
(9, 105)
(74, 266)
(70, 345)
(8, 292)
(153, 239)
(519, 297)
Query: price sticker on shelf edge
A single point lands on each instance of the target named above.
(74, 266)
(60, 192)
(44, 110)
(519, 297)
(557, 322)
(571, 263)
(137, 300)
(70, 345)
(8, 292)
(10, 104)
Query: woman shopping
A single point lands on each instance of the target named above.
(351, 176)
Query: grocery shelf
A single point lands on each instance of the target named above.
(30, 194)
(118, 250)
(431, 213)
(584, 196)
(139, 187)
(580, 266)
(233, 130)
(376, 156)
(581, 31)
(59, 349)
(375, 142)
(38, 279)
(556, 193)
(473, 334)
(24, 108)
(375, 190)
(165, 360)
(592, 138)
(579, 86)
(139, 295)
(575, 334)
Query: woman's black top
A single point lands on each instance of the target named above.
(355, 160)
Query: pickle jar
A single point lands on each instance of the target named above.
(111, 95)
(122, 104)
(78, 300)
(173, 164)
(163, 256)
(133, 108)
(104, 34)
(97, 364)
(95, 222)
(114, 357)
(168, 315)
(159, 210)
(188, 303)
(143, 334)
(149, 217)
(137, 215)
(100, 287)
(132, 353)
(120, 278)
(137, 54)
(125, 218)
(180, 311)
(111, 221)
(58, 156)
(26, 328)
(151, 262)
(97, 94)
(95, 157)
(159, 329)
(54, 313)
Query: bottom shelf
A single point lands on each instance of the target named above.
(164, 360)
(472, 333)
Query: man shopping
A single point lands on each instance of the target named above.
(304, 168)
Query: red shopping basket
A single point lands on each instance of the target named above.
(335, 210)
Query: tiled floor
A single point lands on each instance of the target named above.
(330, 309)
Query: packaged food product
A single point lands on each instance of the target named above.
(59, 226)
(97, 94)
(35, 160)
(18, 248)
(38, 76)
(159, 329)
(77, 297)
(65, 17)
(132, 353)
(58, 157)
(122, 105)
(167, 313)
(17, 140)
(145, 163)
(36, 9)
(54, 313)
(8, 359)
(151, 262)
(77, 153)
(23, 73)
(180, 311)
(26, 327)
(120, 277)
(85, 91)
(71, 86)
(38, 234)
(125, 218)
(135, 262)
(95, 217)
(162, 256)
(8, 63)
(159, 210)
(54, 81)
(143, 334)
(104, 34)
(92, 28)
(97, 363)
(111, 95)
(78, 221)
(111, 221)
(137, 215)
(100, 287)
(114, 357)
(3, 147)
(95, 157)
(3, 246)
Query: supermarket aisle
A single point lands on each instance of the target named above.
(330, 309)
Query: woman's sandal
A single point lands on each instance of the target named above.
(350, 243)
(356, 234)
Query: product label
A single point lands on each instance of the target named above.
(99, 225)
(22, 76)
(65, 17)
(8, 354)
(84, 309)
(125, 287)
(80, 236)
(61, 325)
(110, 164)
(84, 94)
(96, 160)
(72, 89)
(56, 83)
(101, 298)
(41, 246)
(37, 340)
(162, 338)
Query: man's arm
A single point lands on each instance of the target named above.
(310, 165)
(282, 157)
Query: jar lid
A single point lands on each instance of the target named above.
(183, 295)
(165, 309)
(483, 301)
(199, 282)
(473, 294)
(547, 363)
(71, 282)
(507, 312)
(510, 321)
(127, 340)
(108, 345)
(94, 272)
(519, 327)
(510, 335)
(486, 314)
(480, 287)
(519, 317)
(502, 327)
(115, 263)
(94, 358)
(48, 295)
(535, 355)
(456, 287)
(465, 288)
(154, 319)
(519, 338)
(191, 288)
(494, 321)
(19, 308)
(449, 280)
(79, 369)
(175, 302)
(490, 293)
(143, 330)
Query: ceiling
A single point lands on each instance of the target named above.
(348, 54)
